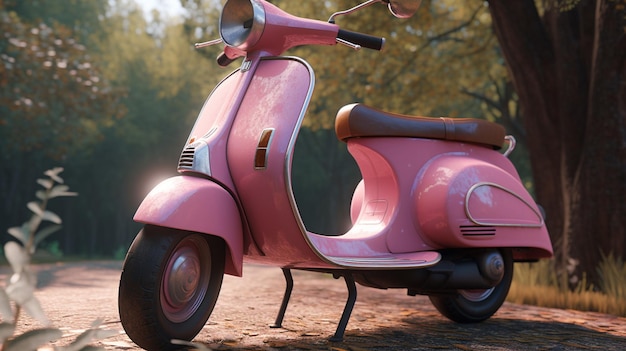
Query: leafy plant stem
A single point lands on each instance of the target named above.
(36, 220)
(20, 287)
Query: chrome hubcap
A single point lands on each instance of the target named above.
(186, 279)
(476, 295)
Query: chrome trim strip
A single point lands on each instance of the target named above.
(382, 262)
(291, 147)
(341, 262)
(521, 225)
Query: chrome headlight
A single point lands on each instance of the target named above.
(242, 23)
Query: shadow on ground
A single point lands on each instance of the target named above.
(419, 333)
(498, 333)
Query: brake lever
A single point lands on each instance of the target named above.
(349, 44)
(207, 43)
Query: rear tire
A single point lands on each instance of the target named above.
(169, 285)
(472, 306)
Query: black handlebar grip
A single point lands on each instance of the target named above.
(223, 60)
(364, 40)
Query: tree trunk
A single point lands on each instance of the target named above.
(598, 222)
(569, 71)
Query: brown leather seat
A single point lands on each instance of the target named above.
(358, 120)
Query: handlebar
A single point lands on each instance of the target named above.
(363, 40)
(353, 39)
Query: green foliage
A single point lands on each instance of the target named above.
(21, 286)
(53, 98)
(81, 16)
(54, 249)
(612, 272)
(120, 253)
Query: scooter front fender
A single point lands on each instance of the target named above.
(197, 205)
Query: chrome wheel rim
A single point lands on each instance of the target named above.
(186, 279)
(476, 295)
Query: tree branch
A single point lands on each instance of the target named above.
(443, 35)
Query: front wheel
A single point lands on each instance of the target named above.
(169, 285)
(472, 306)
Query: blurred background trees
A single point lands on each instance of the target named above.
(110, 92)
(94, 87)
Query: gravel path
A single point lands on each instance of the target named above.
(73, 295)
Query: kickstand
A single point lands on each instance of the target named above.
(347, 310)
(283, 306)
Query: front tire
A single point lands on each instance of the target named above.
(169, 285)
(472, 306)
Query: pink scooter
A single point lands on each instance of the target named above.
(440, 210)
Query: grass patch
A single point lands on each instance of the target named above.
(537, 284)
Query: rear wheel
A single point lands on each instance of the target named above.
(169, 285)
(476, 305)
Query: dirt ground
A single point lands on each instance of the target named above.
(73, 295)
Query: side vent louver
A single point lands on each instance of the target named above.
(195, 158)
(186, 158)
(477, 230)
